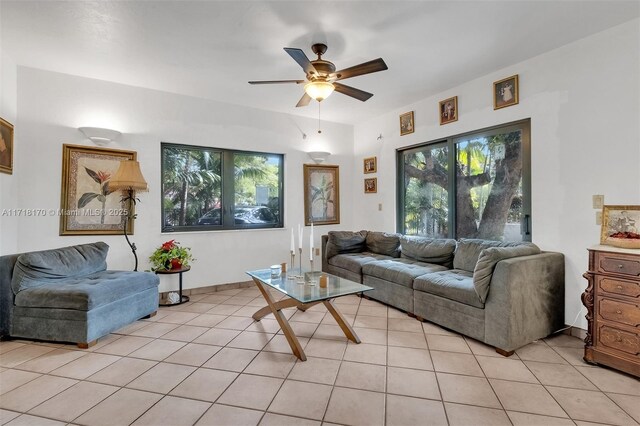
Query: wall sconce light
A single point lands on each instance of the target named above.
(100, 136)
(318, 156)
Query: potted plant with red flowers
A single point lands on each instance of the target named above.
(170, 255)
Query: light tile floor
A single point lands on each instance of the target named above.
(208, 363)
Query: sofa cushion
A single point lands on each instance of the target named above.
(429, 250)
(383, 243)
(353, 261)
(468, 251)
(399, 271)
(454, 284)
(488, 259)
(52, 266)
(87, 292)
(340, 242)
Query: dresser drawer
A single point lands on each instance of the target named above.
(619, 340)
(618, 287)
(615, 263)
(621, 312)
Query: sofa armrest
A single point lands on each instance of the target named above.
(323, 253)
(526, 300)
(7, 264)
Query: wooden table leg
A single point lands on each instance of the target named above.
(275, 308)
(342, 321)
(281, 304)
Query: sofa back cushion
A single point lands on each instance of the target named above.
(53, 266)
(340, 242)
(468, 251)
(428, 250)
(488, 259)
(383, 243)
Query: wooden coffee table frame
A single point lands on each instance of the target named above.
(275, 307)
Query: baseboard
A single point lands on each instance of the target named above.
(210, 289)
(574, 331)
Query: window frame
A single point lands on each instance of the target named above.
(452, 152)
(227, 190)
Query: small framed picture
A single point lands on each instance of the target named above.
(6, 147)
(505, 92)
(321, 194)
(621, 226)
(371, 185)
(370, 165)
(406, 123)
(449, 110)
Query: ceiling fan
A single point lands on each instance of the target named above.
(322, 77)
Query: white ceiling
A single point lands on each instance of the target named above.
(211, 49)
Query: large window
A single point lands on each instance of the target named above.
(475, 185)
(210, 189)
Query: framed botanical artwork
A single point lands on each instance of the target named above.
(370, 165)
(371, 185)
(321, 194)
(621, 226)
(88, 206)
(406, 123)
(448, 110)
(6, 147)
(505, 92)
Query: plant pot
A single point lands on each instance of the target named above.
(175, 264)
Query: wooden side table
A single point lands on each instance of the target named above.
(183, 299)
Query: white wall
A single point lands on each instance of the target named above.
(52, 106)
(583, 100)
(8, 183)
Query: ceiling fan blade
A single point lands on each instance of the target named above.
(277, 81)
(364, 68)
(302, 60)
(360, 95)
(304, 100)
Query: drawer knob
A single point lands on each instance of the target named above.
(620, 266)
(619, 312)
(618, 339)
(619, 287)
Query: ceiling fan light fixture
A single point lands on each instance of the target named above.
(319, 90)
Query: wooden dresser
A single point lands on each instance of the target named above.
(612, 299)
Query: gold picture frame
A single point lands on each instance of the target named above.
(6, 147)
(87, 206)
(448, 110)
(506, 92)
(620, 226)
(370, 165)
(321, 194)
(407, 125)
(371, 185)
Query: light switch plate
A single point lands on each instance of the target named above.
(598, 201)
(317, 252)
(598, 218)
(380, 207)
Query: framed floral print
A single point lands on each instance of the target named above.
(6, 147)
(321, 194)
(88, 206)
(371, 185)
(448, 110)
(406, 123)
(370, 165)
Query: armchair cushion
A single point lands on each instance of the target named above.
(428, 250)
(345, 242)
(488, 259)
(454, 284)
(383, 243)
(53, 266)
(468, 251)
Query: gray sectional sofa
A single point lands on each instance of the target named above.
(68, 295)
(503, 294)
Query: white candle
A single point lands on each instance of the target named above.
(300, 233)
(293, 246)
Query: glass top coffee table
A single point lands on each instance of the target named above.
(304, 296)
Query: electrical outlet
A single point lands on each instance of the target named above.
(598, 218)
(380, 207)
(598, 201)
(317, 252)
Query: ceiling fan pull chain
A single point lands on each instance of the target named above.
(319, 131)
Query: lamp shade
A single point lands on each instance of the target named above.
(319, 90)
(128, 176)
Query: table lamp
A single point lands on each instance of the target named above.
(129, 179)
